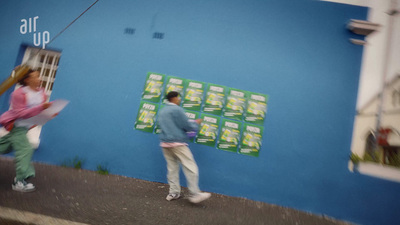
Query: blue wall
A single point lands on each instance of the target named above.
(296, 51)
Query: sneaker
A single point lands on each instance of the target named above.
(199, 197)
(22, 186)
(171, 197)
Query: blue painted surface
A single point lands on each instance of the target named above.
(297, 52)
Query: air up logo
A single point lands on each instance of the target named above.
(216, 89)
(155, 77)
(175, 81)
(29, 26)
(258, 98)
(253, 129)
(195, 85)
(210, 120)
(190, 115)
(237, 93)
(148, 106)
(231, 125)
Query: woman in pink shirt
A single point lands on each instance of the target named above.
(27, 101)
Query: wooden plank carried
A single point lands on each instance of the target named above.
(19, 72)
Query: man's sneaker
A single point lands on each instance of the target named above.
(199, 197)
(171, 197)
(22, 186)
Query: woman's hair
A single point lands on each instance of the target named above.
(172, 95)
(26, 76)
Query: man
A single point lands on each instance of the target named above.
(27, 101)
(174, 124)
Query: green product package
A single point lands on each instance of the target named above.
(235, 104)
(145, 120)
(230, 135)
(215, 99)
(251, 140)
(208, 130)
(174, 84)
(193, 95)
(256, 108)
(153, 87)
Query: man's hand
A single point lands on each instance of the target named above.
(17, 67)
(198, 121)
(46, 105)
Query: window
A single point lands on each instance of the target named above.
(44, 61)
(378, 154)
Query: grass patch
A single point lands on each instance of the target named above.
(102, 169)
(355, 158)
(76, 163)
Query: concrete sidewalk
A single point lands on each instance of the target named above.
(67, 195)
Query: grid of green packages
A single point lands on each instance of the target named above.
(232, 118)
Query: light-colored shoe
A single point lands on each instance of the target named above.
(22, 186)
(199, 197)
(171, 197)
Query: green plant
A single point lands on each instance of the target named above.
(76, 163)
(355, 158)
(103, 170)
(372, 156)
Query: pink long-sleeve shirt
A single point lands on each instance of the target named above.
(19, 108)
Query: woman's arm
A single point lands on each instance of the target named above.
(20, 108)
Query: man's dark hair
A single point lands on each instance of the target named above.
(26, 76)
(172, 95)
